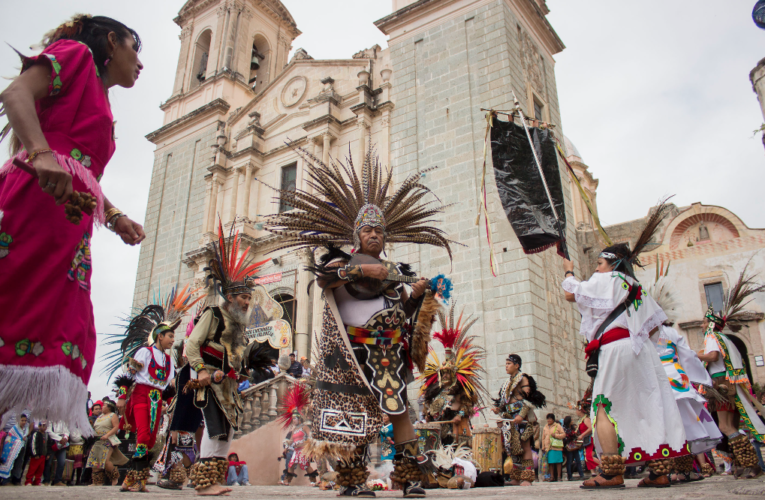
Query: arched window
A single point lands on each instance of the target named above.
(259, 63)
(201, 56)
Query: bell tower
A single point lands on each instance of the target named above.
(231, 51)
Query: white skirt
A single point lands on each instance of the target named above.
(700, 428)
(637, 397)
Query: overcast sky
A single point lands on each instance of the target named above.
(654, 94)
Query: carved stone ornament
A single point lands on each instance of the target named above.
(294, 91)
(301, 55)
(370, 53)
(532, 63)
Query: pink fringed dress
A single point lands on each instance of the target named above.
(48, 336)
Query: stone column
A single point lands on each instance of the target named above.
(384, 151)
(325, 150)
(247, 187)
(362, 125)
(302, 332)
(234, 195)
(182, 69)
(216, 182)
(208, 206)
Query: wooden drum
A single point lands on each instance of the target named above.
(428, 436)
(487, 448)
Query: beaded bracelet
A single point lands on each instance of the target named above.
(34, 155)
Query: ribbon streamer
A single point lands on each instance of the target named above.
(482, 203)
(584, 195)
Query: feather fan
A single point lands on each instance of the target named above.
(296, 400)
(739, 294)
(227, 266)
(649, 230)
(421, 335)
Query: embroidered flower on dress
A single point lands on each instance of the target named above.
(55, 86)
(26, 346)
(84, 159)
(5, 241)
(81, 263)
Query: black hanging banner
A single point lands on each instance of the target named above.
(521, 188)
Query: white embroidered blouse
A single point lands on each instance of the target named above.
(600, 295)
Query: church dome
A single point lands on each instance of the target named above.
(572, 154)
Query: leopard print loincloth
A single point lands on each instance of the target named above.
(345, 413)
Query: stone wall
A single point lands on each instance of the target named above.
(444, 75)
(174, 213)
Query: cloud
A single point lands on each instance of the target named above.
(656, 97)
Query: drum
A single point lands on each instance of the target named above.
(428, 436)
(487, 448)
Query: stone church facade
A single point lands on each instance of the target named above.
(238, 98)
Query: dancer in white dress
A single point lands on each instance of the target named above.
(634, 414)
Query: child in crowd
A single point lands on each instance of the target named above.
(237, 471)
(38, 449)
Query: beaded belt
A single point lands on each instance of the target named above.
(374, 337)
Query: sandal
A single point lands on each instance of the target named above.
(599, 482)
(659, 482)
(166, 484)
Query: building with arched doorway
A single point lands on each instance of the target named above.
(702, 249)
(239, 95)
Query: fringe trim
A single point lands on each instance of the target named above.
(532, 251)
(51, 392)
(316, 450)
(421, 337)
(76, 169)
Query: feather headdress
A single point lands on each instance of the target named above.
(227, 271)
(661, 291)
(143, 327)
(294, 405)
(462, 364)
(620, 253)
(342, 202)
(585, 403)
(735, 299)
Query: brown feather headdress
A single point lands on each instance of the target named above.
(735, 299)
(620, 253)
(342, 201)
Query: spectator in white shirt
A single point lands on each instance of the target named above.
(59, 434)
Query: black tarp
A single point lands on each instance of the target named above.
(520, 186)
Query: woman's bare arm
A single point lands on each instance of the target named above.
(19, 102)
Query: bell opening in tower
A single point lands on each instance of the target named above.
(255, 63)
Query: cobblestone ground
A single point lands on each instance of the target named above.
(713, 488)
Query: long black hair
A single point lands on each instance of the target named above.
(622, 252)
(93, 31)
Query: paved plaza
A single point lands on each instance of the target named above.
(713, 488)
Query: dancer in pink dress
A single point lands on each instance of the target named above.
(63, 137)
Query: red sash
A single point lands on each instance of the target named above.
(606, 338)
